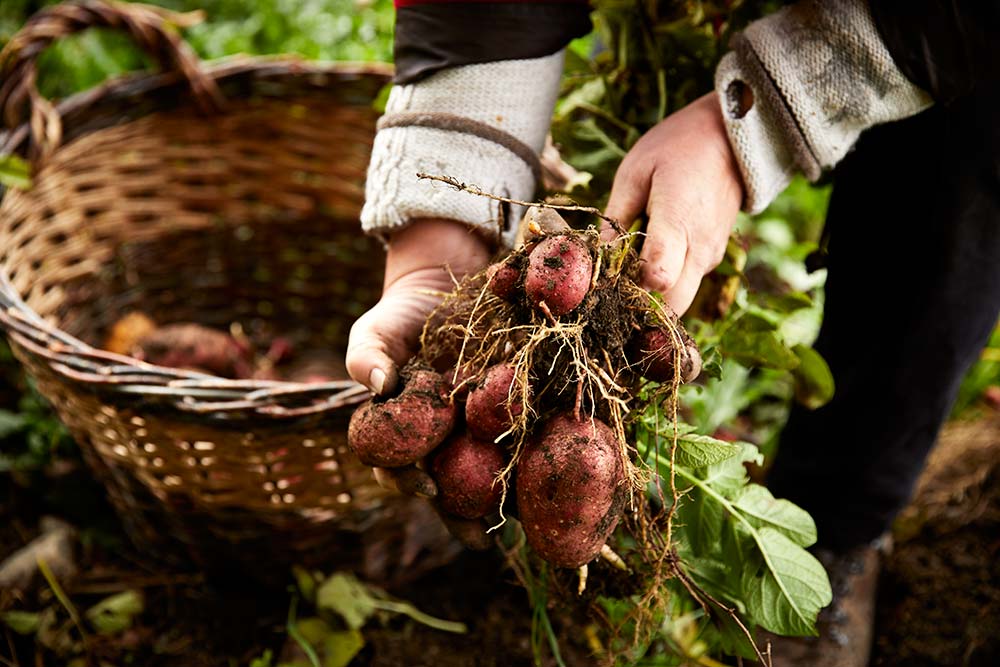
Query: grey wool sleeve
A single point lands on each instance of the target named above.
(801, 85)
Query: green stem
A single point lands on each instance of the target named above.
(60, 594)
(420, 617)
(293, 632)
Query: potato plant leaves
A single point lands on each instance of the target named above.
(813, 380)
(790, 587)
(693, 450)
(752, 340)
(743, 545)
(763, 510)
(355, 602)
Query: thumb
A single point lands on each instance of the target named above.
(384, 338)
(369, 359)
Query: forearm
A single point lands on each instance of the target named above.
(464, 107)
(799, 88)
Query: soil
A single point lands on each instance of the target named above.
(939, 602)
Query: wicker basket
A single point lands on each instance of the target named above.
(217, 194)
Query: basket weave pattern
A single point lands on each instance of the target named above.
(244, 214)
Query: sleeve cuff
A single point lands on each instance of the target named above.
(482, 124)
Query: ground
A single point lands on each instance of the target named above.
(939, 601)
(940, 593)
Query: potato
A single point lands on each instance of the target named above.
(570, 490)
(652, 350)
(195, 347)
(490, 409)
(465, 470)
(504, 279)
(559, 273)
(398, 431)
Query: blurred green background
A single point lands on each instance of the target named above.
(359, 30)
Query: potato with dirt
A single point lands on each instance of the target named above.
(504, 278)
(397, 431)
(654, 352)
(559, 273)
(465, 470)
(570, 489)
(491, 407)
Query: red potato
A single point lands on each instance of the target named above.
(395, 432)
(196, 347)
(489, 408)
(653, 351)
(559, 273)
(570, 490)
(465, 471)
(503, 280)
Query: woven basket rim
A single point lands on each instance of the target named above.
(188, 391)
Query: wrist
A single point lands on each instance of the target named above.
(437, 247)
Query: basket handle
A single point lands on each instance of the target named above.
(153, 29)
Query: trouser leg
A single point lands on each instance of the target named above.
(912, 294)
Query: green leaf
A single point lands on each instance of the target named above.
(732, 639)
(264, 659)
(306, 583)
(11, 423)
(700, 521)
(814, 386)
(753, 341)
(696, 451)
(117, 613)
(762, 509)
(730, 476)
(341, 647)
(347, 597)
(14, 172)
(332, 648)
(355, 602)
(22, 622)
(790, 588)
(591, 92)
(783, 303)
(785, 589)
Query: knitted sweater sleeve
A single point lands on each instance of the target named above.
(801, 85)
(475, 87)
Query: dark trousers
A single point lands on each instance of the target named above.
(912, 295)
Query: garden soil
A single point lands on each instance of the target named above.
(939, 600)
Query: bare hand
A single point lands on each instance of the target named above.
(420, 263)
(683, 174)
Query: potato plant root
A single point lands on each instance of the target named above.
(549, 334)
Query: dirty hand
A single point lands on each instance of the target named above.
(683, 174)
(420, 262)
